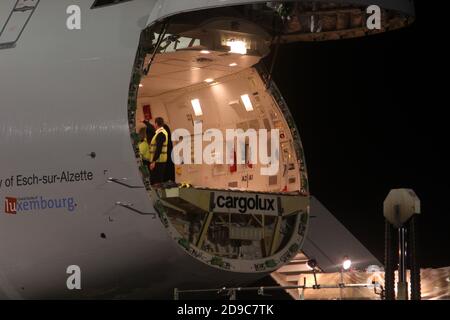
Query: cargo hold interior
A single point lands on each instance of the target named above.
(219, 82)
(210, 73)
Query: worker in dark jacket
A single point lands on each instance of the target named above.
(170, 166)
(149, 130)
(159, 153)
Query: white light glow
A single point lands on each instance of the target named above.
(140, 85)
(347, 264)
(247, 102)
(197, 107)
(237, 47)
(205, 52)
(209, 80)
(234, 64)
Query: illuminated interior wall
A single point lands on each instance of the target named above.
(222, 108)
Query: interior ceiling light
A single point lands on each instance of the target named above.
(234, 64)
(140, 85)
(247, 102)
(205, 52)
(237, 47)
(209, 80)
(197, 107)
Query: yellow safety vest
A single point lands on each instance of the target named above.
(163, 156)
(144, 150)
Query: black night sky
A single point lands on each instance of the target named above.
(372, 116)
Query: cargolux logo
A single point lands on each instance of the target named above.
(33, 204)
(239, 204)
(10, 205)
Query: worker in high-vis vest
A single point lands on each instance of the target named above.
(144, 148)
(159, 153)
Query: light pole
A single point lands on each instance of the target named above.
(400, 210)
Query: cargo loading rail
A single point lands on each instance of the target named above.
(232, 292)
